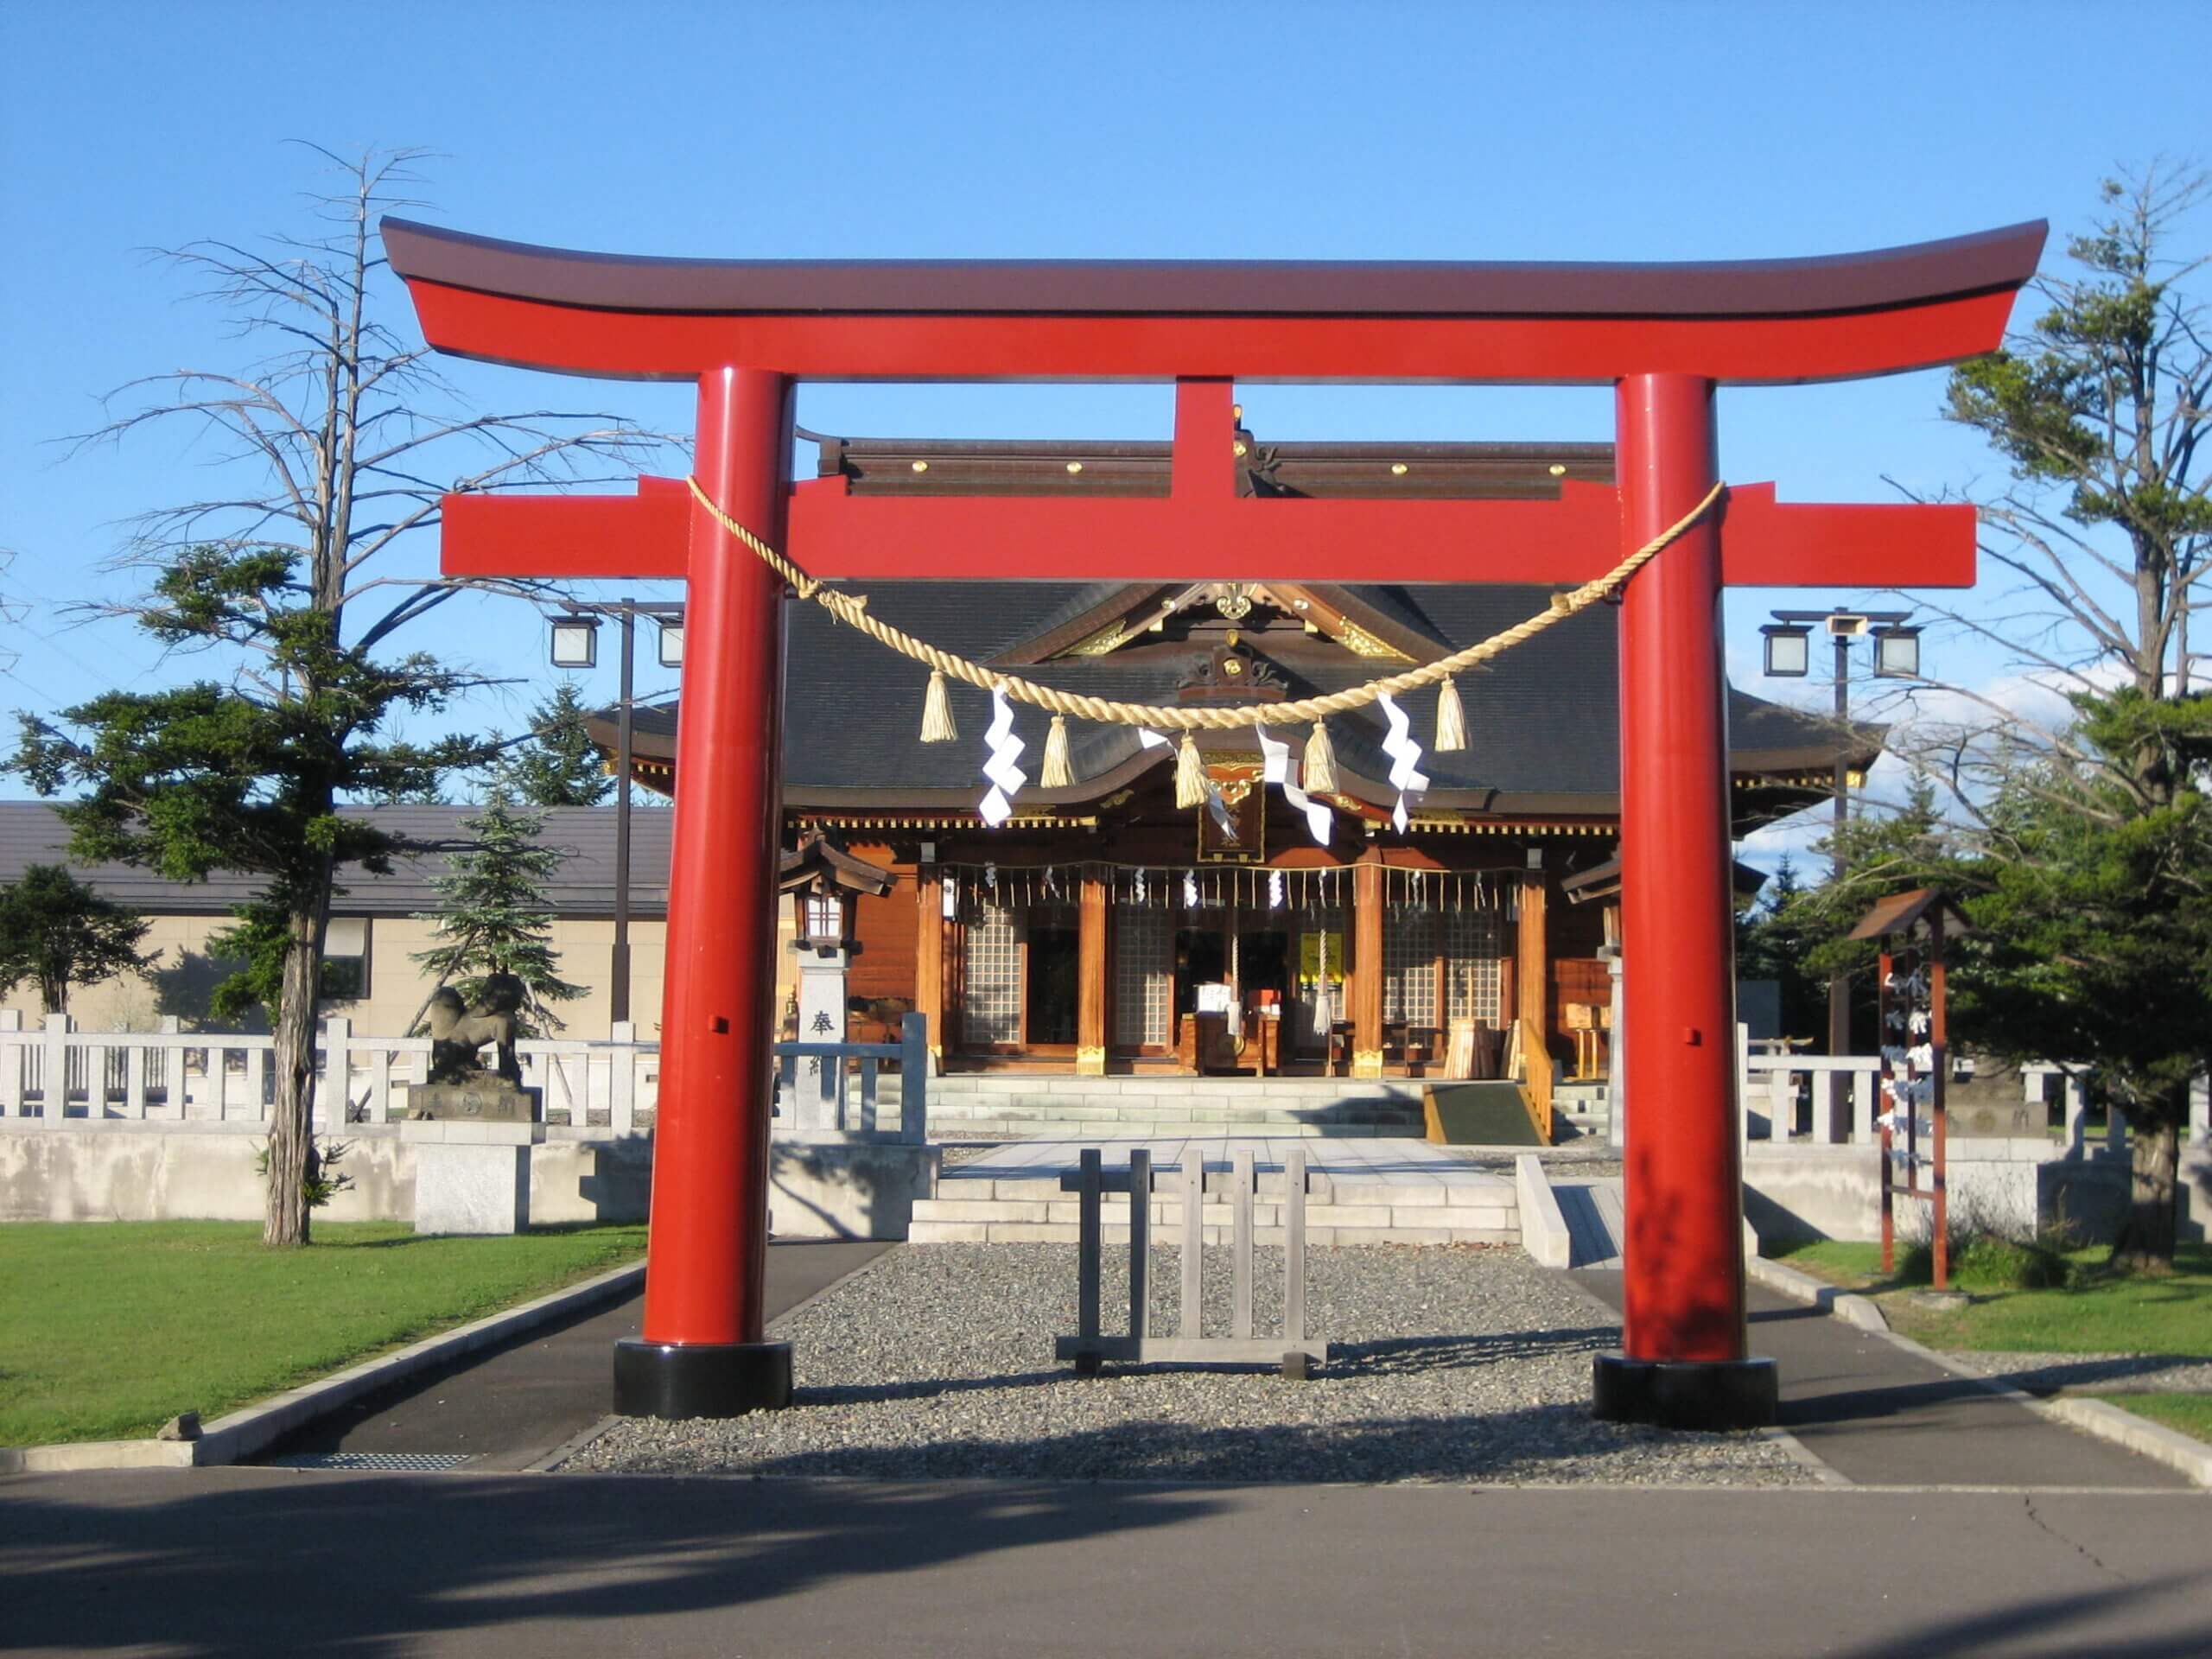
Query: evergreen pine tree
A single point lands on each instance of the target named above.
(493, 920)
(559, 765)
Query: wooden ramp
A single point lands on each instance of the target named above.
(1595, 1222)
(1481, 1114)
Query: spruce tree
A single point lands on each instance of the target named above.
(493, 919)
(558, 765)
(59, 932)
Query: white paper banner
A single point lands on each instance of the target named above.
(951, 903)
(1406, 776)
(1319, 820)
(1275, 889)
(1005, 777)
(1190, 891)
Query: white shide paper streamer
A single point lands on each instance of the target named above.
(1005, 777)
(1406, 776)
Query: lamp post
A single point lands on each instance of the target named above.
(575, 641)
(1788, 656)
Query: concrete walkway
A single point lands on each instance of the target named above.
(1881, 1416)
(507, 1407)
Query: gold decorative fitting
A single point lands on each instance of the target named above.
(921, 466)
(1236, 411)
(1558, 469)
(1238, 447)
(1074, 467)
(1397, 470)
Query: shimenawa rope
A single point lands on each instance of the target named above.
(852, 609)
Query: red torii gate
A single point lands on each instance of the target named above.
(1663, 336)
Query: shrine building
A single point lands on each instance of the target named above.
(1102, 929)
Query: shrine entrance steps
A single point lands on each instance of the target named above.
(998, 1106)
(1367, 1190)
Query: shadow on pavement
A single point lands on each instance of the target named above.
(366, 1566)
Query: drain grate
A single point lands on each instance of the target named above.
(402, 1462)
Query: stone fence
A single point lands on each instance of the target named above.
(174, 1075)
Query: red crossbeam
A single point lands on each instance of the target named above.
(1764, 543)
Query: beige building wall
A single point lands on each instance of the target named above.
(185, 975)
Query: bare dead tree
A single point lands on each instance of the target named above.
(336, 451)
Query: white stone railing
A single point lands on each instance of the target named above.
(177, 1075)
(1769, 1089)
(814, 1084)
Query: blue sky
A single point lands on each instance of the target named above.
(1585, 131)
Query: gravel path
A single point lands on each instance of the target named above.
(1452, 1364)
(2092, 1373)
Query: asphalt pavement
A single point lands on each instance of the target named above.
(506, 1408)
(190, 1562)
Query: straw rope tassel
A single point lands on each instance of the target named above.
(936, 712)
(1451, 718)
(1058, 774)
(1320, 769)
(1190, 774)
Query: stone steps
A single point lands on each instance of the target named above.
(983, 1107)
(1338, 1211)
(962, 1129)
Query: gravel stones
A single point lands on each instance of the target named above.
(1450, 1363)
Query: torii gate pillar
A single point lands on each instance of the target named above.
(1684, 1294)
(702, 1353)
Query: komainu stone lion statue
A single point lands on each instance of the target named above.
(458, 1031)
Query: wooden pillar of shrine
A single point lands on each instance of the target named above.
(1532, 969)
(929, 957)
(1091, 974)
(1367, 966)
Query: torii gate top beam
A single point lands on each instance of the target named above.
(1768, 321)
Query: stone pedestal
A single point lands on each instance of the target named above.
(847, 1187)
(471, 1177)
(492, 1099)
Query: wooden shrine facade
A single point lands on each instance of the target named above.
(1094, 932)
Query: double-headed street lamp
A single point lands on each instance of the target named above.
(576, 645)
(1897, 657)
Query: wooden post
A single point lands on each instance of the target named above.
(1086, 1317)
(1367, 966)
(1140, 1243)
(1194, 1238)
(1090, 975)
(1532, 956)
(929, 958)
(1240, 1238)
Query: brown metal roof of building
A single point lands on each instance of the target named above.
(32, 832)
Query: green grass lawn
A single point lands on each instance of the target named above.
(2189, 1413)
(2100, 1313)
(107, 1330)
